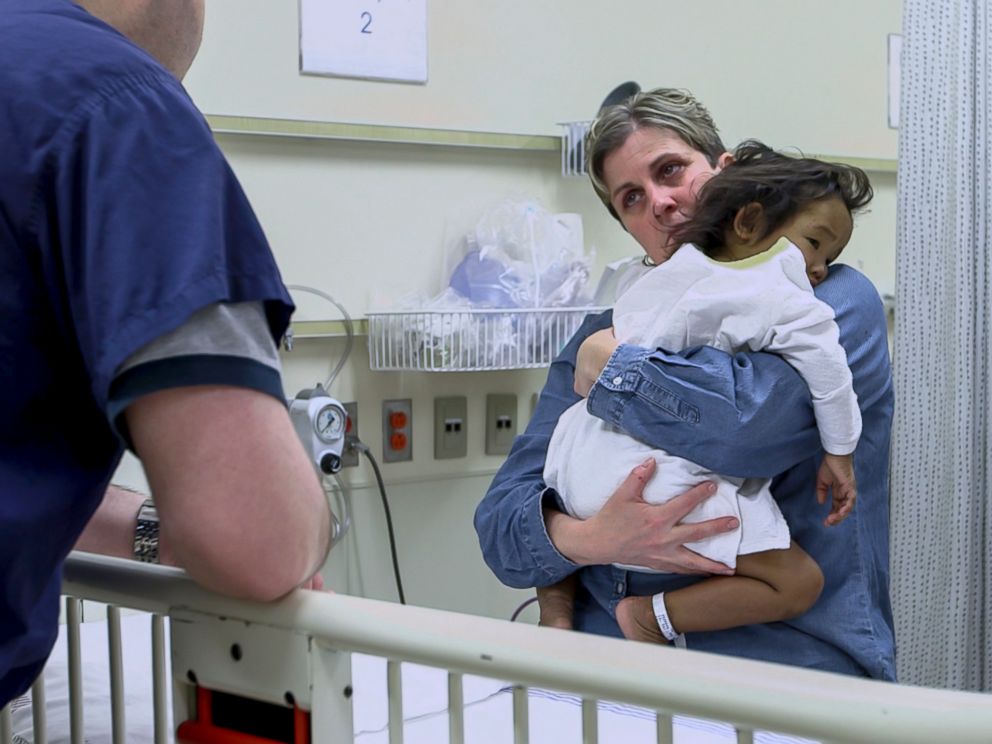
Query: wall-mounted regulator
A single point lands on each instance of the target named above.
(320, 422)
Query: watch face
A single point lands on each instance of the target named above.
(329, 423)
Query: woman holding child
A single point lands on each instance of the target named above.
(748, 415)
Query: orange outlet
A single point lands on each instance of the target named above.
(397, 430)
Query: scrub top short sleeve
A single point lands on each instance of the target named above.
(151, 224)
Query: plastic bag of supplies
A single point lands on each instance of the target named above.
(509, 274)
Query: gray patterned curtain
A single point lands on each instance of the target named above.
(942, 453)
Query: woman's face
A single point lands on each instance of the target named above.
(653, 180)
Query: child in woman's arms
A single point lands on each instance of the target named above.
(764, 232)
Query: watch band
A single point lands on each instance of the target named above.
(146, 533)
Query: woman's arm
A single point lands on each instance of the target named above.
(747, 414)
(527, 541)
(510, 518)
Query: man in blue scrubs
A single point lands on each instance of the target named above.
(140, 305)
(747, 415)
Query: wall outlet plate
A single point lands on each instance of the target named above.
(349, 458)
(397, 430)
(450, 427)
(501, 422)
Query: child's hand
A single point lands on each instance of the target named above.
(836, 476)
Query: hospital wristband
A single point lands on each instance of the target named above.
(661, 615)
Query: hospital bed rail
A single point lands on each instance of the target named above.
(747, 694)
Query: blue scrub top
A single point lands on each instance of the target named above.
(119, 218)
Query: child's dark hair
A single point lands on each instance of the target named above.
(781, 184)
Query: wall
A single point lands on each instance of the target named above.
(367, 220)
(796, 71)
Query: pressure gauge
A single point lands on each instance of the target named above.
(329, 423)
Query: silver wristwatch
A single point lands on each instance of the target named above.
(146, 533)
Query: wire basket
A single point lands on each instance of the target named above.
(471, 340)
(573, 147)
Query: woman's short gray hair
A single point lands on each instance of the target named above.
(662, 108)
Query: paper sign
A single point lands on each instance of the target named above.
(895, 73)
(377, 39)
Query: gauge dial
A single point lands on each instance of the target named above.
(329, 423)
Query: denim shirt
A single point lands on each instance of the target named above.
(745, 415)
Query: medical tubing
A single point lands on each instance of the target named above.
(343, 501)
(363, 448)
(349, 328)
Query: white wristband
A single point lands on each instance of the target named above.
(661, 615)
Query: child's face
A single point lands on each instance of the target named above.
(820, 230)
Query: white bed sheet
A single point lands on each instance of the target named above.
(488, 714)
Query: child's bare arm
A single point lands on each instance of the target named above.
(836, 478)
(557, 602)
(769, 586)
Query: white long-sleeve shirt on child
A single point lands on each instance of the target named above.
(762, 303)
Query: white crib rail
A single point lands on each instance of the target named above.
(749, 695)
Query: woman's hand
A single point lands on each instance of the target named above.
(629, 530)
(594, 353)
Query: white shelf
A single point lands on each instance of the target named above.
(307, 329)
(329, 130)
(300, 129)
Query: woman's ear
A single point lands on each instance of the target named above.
(749, 221)
(724, 160)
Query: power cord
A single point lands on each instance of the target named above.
(364, 449)
(523, 606)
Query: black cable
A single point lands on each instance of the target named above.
(363, 448)
(526, 603)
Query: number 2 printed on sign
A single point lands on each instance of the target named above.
(373, 39)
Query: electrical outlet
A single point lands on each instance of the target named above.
(349, 458)
(450, 427)
(397, 430)
(501, 423)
